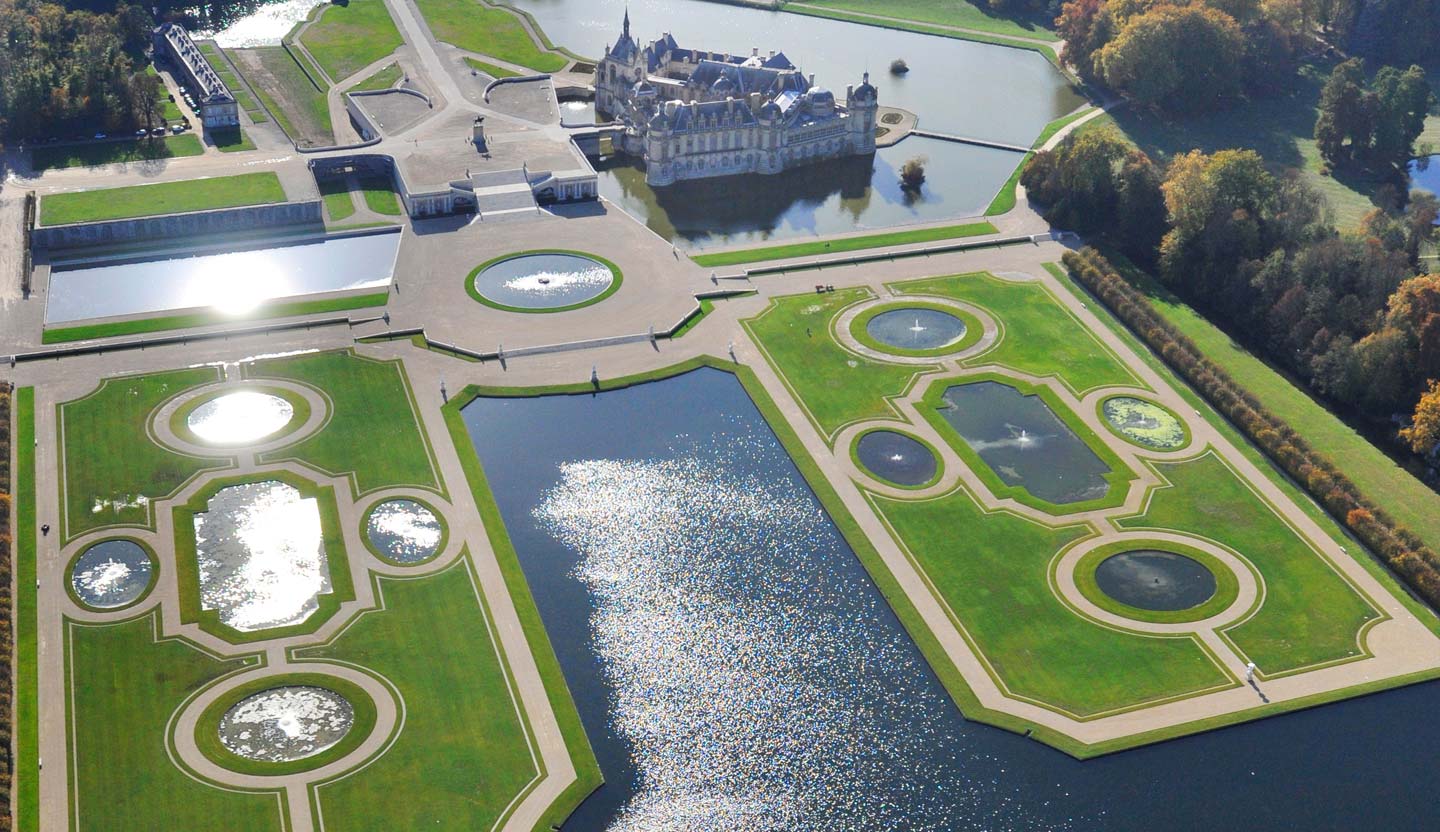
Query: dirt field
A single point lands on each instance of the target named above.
(298, 106)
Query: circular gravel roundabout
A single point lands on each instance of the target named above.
(1160, 582)
(916, 328)
(112, 574)
(285, 724)
(1144, 423)
(404, 531)
(238, 416)
(543, 281)
(896, 458)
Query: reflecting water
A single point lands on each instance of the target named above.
(577, 113)
(1150, 579)
(824, 198)
(289, 723)
(112, 573)
(896, 457)
(233, 282)
(1297, 771)
(955, 86)
(544, 281)
(265, 26)
(916, 328)
(1425, 175)
(1024, 442)
(261, 554)
(1144, 422)
(240, 417)
(404, 531)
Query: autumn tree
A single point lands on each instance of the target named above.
(1423, 434)
(1176, 58)
(1375, 124)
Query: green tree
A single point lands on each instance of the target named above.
(1176, 58)
(1346, 120)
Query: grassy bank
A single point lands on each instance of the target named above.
(816, 248)
(347, 38)
(383, 80)
(491, 69)
(959, 13)
(1046, 50)
(298, 105)
(163, 198)
(478, 27)
(26, 732)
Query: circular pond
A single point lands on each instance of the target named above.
(916, 328)
(112, 573)
(543, 282)
(897, 458)
(1144, 423)
(286, 723)
(1151, 579)
(404, 531)
(240, 418)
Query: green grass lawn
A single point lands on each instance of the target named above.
(299, 107)
(110, 463)
(490, 69)
(1041, 336)
(373, 432)
(1031, 43)
(162, 198)
(1396, 490)
(163, 323)
(108, 153)
(943, 12)
(124, 686)
(339, 204)
(836, 386)
(808, 249)
(484, 29)
(346, 39)
(382, 80)
(230, 139)
(26, 631)
(167, 109)
(243, 97)
(992, 570)
(1311, 615)
(380, 195)
(462, 756)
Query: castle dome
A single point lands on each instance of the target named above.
(771, 111)
(723, 86)
(866, 91)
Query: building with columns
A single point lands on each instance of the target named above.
(692, 114)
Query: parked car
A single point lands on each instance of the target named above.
(140, 134)
(101, 136)
(177, 129)
(158, 131)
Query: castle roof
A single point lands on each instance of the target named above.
(748, 79)
(700, 116)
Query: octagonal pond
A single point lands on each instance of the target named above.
(1022, 440)
(915, 328)
(1151, 579)
(112, 573)
(286, 723)
(896, 457)
(543, 281)
(261, 555)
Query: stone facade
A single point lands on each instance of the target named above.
(692, 114)
(217, 104)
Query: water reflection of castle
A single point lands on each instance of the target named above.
(693, 115)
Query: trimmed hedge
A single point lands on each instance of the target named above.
(7, 623)
(1396, 546)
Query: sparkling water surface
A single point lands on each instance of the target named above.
(544, 281)
(404, 531)
(261, 553)
(797, 656)
(240, 417)
(917, 328)
(112, 573)
(265, 26)
(286, 723)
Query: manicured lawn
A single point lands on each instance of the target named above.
(1004, 201)
(380, 195)
(1396, 490)
(27, 672)
(943, 12)
(124, 686)
(299, 106)
(339, 204)
(162, 198)
(836, 386)
(1045, 49)
(462, 756)
(382, 80)
(112, 469)
(484, 29)
(373, 432)
(109, 153)
(809, 249)
(166, 109)
(163, 323)
(1310, 614)
(992, 570)
(1041, 336)
(490, 69)
(346, 39)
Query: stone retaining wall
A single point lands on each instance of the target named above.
(175, 226)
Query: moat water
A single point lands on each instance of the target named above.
(1425, 175)
(734, 666)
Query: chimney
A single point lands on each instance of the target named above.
(754, 51)
(812, 79)
(772, 53)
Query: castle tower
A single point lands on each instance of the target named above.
(862, 102)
